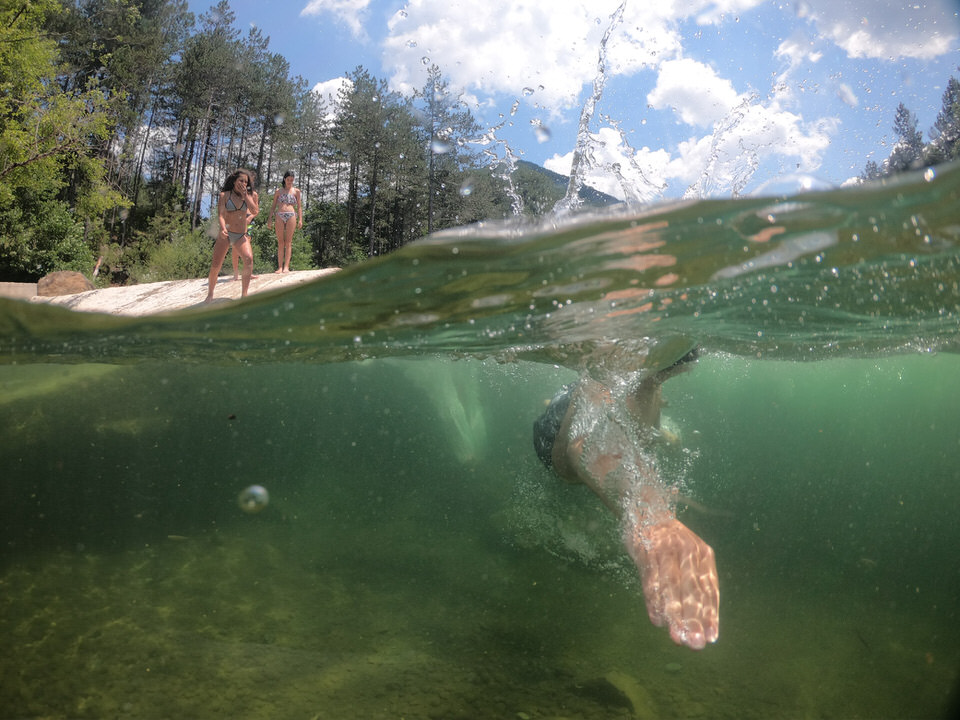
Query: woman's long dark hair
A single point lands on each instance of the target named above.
(232, 178)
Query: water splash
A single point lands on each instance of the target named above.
(502, 167)
(746, 162)
(638, 189)
(583, 152)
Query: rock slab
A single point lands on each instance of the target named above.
(161, 297)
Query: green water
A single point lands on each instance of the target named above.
(417, 561)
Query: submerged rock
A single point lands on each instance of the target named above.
(618, 690)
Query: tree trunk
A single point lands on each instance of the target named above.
(373, 200)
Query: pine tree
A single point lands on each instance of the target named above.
(908, 147)
(945, 145)
(449, 128)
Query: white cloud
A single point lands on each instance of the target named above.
(719, 10)
(694, 92)
(847, 95)
(751, 136)
(497, 46)
(329, 92)
(351, 12)
(718, 162)
(501, 47)
(887, 29)
(797, 49)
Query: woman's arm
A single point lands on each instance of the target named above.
(299, 207)
(222, 213)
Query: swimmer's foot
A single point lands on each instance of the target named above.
(680, 583)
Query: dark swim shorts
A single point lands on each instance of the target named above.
(546, 427)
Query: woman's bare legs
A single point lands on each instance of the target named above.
(220, 248)
(246, 254)
(285, 230)
(289, 227)
(280, 227)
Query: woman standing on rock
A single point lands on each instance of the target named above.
(238, 205)
(288, 211)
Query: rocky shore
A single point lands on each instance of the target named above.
(160, 297)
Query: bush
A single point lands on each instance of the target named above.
(48, 239)
(184, 257)
(168, 250)
(264, 242)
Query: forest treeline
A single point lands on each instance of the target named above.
(909, 151)
(120, 120)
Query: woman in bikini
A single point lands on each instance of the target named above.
(238, 205)
(288, 212)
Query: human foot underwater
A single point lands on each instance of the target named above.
(600, 434)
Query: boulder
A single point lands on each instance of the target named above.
(63, 282)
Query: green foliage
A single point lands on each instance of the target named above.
(185, 256)
(168, 249)
(45, 139)
(264, 242)
(46, 239)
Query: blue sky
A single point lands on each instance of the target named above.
(702, 97)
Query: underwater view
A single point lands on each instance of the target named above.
(325, 502)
